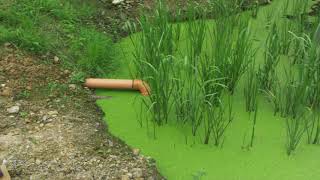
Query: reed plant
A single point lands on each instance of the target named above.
(217, 120)
(301, 45)
(285, 37)
(254, 122)
(289, 97)
(312, 126)
(153, 61)
(312, 73)
(295, 130)
(316, 137)
(189, 97)
(251, 88)
(242, 55)
(267, 73)
(232, 48)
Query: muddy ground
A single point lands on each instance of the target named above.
(51, 129)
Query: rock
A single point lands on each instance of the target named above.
(45, 118)
(125, 177)
(56, 59)
(3, 85)
(136, 152)
(6, 92)
(51, 113)
(72, 87)
(130, 175)
(4, 174)
(110, 143)
(137, 172)
(13, 110)
(38, 162)
(7, 44)
(140, 178)
(117, 1)
(66, 72)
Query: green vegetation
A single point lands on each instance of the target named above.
(51, 27)
(194, 79)
(195, 70)
(276, 73)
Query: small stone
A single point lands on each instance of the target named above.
(110, 143)
(41, 125)
(45, 118)
(3, 85)
(130, 175)
(6, 92)
(38, 162)
(125, 177)
(72, 86)
(29, 88)
(117, 1)
(140, 178)
(13, 110)
(56, 59)
(137, 172)
(51, 113)
(136, 152)
(7, 44)
(66, 72)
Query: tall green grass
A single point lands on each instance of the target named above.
(295, 130)
(154, 60)
(196, 85)
(232, 32)
(52, 27)
(251, 88)
(267, 73)
(94, 53)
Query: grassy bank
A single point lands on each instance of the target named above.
(58, 28)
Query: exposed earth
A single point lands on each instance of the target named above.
(51, 129)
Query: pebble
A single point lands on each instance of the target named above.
(66, 72)
(56, 59)
(45, 118)
(6, 92)
(117, 1)
(72, 86)
(125, 177)
(7, 44)
(52, 113)
(130, 175)
(137, 172)
(136, 152)
(110, 143)
(13, 110)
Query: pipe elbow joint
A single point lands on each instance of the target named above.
(142, 86)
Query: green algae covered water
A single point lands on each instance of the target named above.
(180, 156)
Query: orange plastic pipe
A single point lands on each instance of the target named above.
(135, 84)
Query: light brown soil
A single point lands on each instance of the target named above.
(58, 132)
